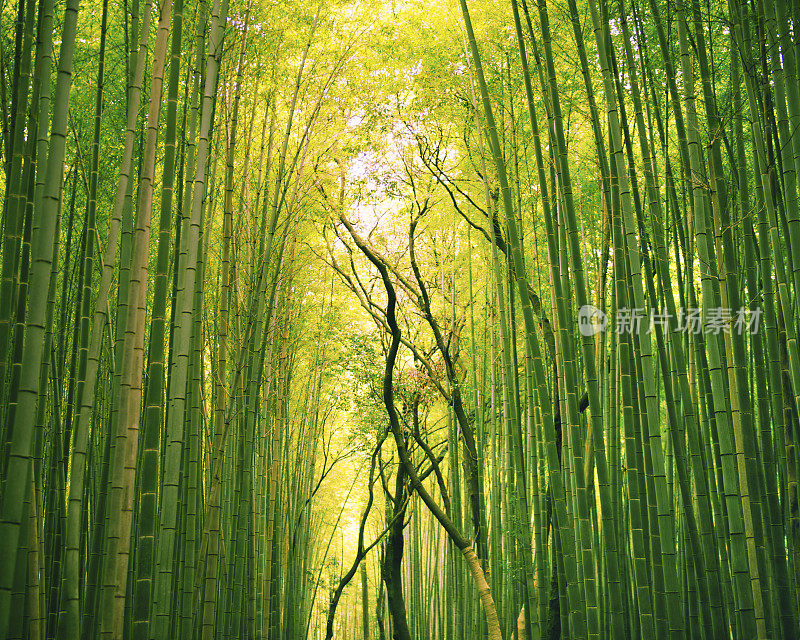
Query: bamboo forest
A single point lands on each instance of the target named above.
(399, 320)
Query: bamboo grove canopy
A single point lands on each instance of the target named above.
(372, 319)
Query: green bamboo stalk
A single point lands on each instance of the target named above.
(166, 543)
(43, 245)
